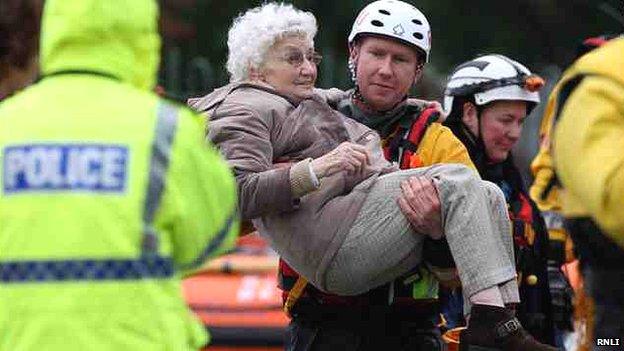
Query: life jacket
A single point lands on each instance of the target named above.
(548, 193)
(524, 235)
(531, 248)
(546, 189)
(418, 285)
(529, 231)
(401, 146)
(588, 65)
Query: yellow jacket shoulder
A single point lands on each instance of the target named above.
(440, 145)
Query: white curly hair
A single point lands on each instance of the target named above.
(255, 31)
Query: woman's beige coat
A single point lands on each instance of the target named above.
(255, 127)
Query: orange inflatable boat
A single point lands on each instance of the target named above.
(237, 298)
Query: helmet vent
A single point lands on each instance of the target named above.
(377, 23)
(418, 22)
(418, 36)
(384, 12)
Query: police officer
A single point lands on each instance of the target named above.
(588, 159)
(109, 193)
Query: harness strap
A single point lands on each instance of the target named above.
(294, 294)
(403, 145)
(416, 134)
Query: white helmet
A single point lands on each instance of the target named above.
(395, 19)
(490, 78)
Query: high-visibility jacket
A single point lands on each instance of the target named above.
(589, 139)
(108, 193)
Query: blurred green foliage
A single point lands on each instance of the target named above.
(538, 33)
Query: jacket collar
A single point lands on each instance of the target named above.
(210, 101)
(383, 122)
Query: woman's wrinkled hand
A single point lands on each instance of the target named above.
(420, 204)
(349, 157)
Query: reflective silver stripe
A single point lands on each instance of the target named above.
(166, 124)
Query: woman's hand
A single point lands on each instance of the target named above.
(349, 157)
(420, 204)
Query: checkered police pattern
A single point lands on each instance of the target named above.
(80, 270)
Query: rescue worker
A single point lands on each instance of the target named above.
(487, 100)
(109, 193)
(19, 34)
(588, 159)
(545, 191)
(401, 315)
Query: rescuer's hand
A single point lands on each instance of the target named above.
(420, 203)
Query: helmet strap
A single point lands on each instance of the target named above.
(476, 145)
(357, 95)
(479, 142)
(351, 65)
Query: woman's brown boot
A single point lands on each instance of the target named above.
(493, 328)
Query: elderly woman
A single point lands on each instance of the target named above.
(315, 183)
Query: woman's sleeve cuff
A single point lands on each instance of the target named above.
(302, 178)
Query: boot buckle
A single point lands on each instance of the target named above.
(508, 327)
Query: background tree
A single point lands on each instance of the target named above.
(543, 34)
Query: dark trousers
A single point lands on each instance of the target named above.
(602, 266)
(362, 330)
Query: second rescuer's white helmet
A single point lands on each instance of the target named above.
(395, 19)
(490, 78)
